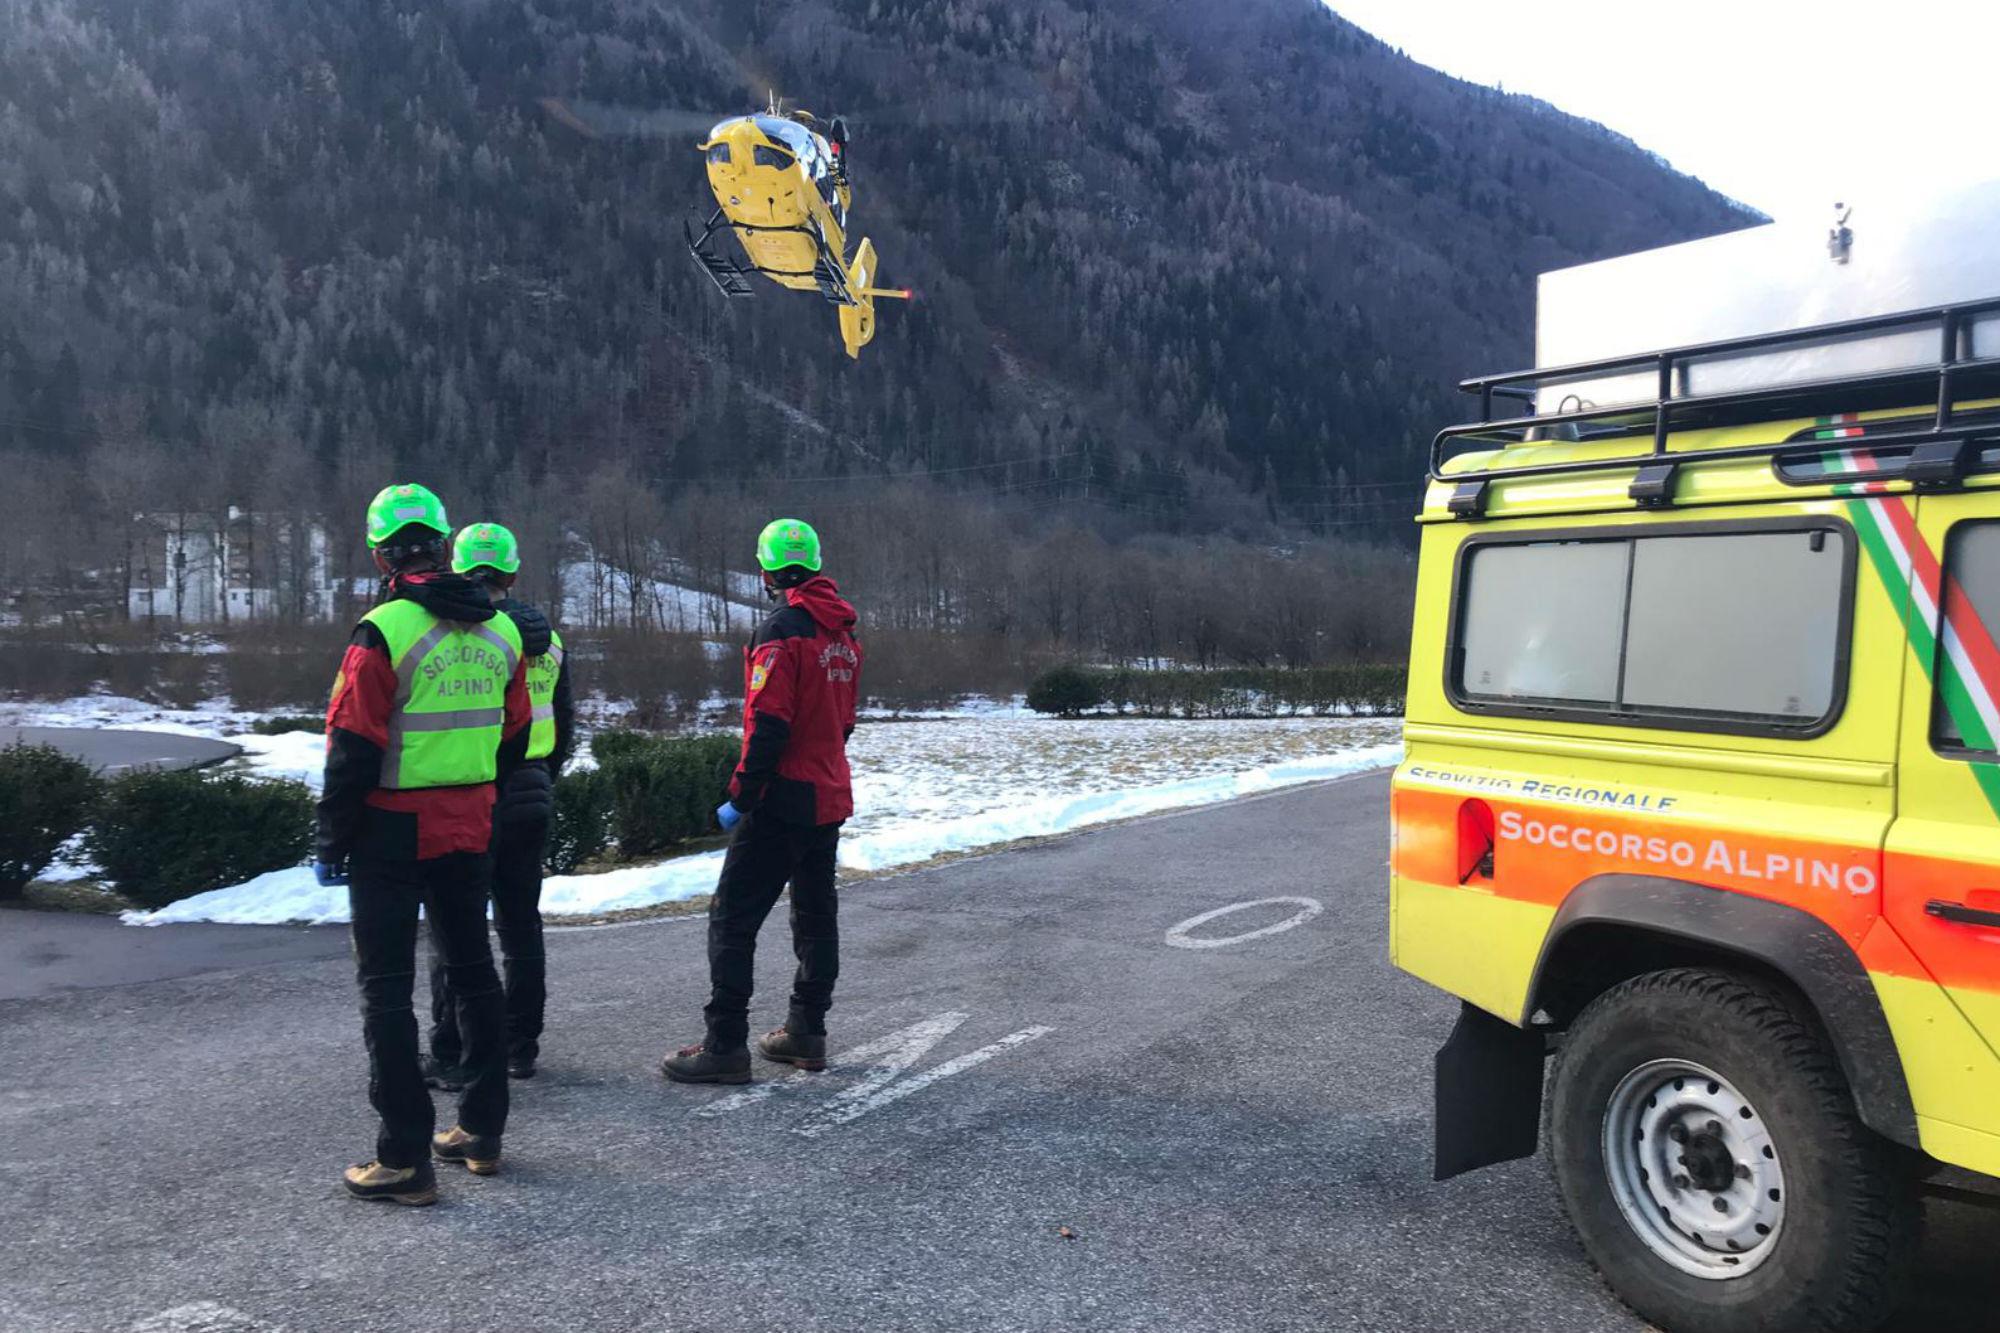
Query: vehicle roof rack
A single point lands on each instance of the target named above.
(1941, 449)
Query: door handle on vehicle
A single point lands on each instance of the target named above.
(1959, 912)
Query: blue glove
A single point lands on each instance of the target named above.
(727, 815)
(329, 874)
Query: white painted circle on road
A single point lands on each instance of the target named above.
(1180, 939)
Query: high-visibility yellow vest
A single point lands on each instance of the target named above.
(451, 695)
(543, 673)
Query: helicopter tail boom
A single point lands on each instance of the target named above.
(857, 321)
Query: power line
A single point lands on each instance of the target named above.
(917, 473)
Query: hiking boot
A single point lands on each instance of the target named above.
(443, 1076)
(520, 1066)
(787, 1047)
(415, 1186)
(699, 1064)
(479, 1154)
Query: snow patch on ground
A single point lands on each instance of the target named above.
(71, 863)
(971, 706)
(297, 755)
(981, 773)
(882, 839)
(273, 898)
(910, 842)
(215, 718)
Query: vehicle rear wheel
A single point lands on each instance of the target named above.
(1708, 1151)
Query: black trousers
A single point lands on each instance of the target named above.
(383, 897)
(763, 857)
(518, 848)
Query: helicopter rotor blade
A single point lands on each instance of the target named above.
(940, 112)
(601, 120)
(597, 120)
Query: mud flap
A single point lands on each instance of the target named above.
(1489, 1093)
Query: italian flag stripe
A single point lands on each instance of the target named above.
(1967, 671)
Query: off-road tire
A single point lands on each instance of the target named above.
(1841, 1256)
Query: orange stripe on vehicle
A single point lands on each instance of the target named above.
(1959, 956)
(1836, 882)
(1545, 849)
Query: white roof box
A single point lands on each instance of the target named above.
(1901, 255)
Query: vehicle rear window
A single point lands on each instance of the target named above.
(1715, 630)
(1968, 663)
(1524, 639)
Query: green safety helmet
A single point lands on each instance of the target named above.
(485, 546)
(405, 505)
(787, 542)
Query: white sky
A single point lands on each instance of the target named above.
(1782, 104)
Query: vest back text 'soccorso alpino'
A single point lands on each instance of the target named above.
(543, 673)
(451, 689)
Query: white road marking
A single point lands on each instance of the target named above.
(1179, 938)
(204, 1317)
(871, 1096)
(892, 1055)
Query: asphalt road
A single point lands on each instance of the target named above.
(1237, 1136)
(112, 750)
(42, 953)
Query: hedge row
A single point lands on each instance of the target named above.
(48, 797)
(647, 794)
(1370, 689)
(161, 837)
(158, 836)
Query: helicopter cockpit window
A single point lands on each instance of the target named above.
(796, 138)
(718, 152)
(770, 157)
(787, 132)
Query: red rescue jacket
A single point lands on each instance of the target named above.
(356, 814)
(801, 681)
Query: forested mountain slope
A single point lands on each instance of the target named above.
(1210, 265)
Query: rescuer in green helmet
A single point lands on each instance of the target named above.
(789, 794)
(487, 554)
(429, 708)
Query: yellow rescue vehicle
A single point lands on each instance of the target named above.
(1700, 812)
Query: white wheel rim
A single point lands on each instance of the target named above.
(1694, 1169)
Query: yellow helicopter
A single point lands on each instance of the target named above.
(781, 186)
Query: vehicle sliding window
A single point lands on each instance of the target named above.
(1967, 671)
(1697, 629)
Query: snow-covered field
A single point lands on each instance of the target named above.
(987, 775)
(211, 717)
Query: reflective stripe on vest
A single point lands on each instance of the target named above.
(543, 673)
(435, 740)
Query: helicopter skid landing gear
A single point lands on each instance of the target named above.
(730, 278)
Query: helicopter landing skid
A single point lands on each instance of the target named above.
(730, 278)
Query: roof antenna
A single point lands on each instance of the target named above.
(1840, 237)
